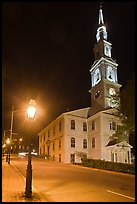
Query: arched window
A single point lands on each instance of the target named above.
(72, 142)
(73, 124)
(84, 126)
(84, 143)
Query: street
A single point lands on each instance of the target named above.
(70, 183)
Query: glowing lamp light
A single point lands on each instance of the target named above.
(8, 141)
(31, 110)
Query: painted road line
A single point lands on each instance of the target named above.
(121, 195)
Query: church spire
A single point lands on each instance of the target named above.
(101, 31)
(101, 21)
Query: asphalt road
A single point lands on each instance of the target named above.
(69, 183)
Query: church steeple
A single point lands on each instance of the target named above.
(101, 21)
(101, 31)
(104, 81)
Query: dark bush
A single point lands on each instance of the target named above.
(112, 166)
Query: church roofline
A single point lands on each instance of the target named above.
(107, 42)
(110, 61)
(66, 113)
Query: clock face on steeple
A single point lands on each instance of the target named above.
(112, 91)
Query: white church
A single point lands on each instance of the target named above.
(87, 132)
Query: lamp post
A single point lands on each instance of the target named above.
(11, 126)
(48, 142)
(8, 154)
(3, 146)
(31, 113)
(20, 145)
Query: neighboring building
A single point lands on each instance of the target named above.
(87, 132)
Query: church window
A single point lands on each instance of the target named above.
(93, 125)
(72, 142)
(112, 156)
(113, 126)
(128, 157)
(59, 143)
(110, 75)
(84, 126)
(110, 125)
(115, 156)
(59, 157)
(73, 124)
(107, 51)
(93, 142)
(84, 143)
(72, 158)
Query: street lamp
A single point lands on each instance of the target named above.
(31, 113)
(20, 145)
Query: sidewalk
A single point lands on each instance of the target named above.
(13, 185)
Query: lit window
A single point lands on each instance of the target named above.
(73, 124)
(84, 143)
(84, 126)
(72, 142)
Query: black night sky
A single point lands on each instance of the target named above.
(47, 52)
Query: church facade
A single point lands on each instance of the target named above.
(88, 132)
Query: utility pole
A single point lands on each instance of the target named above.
(11, 126)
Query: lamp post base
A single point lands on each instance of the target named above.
(6, 157)
(28, 190)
